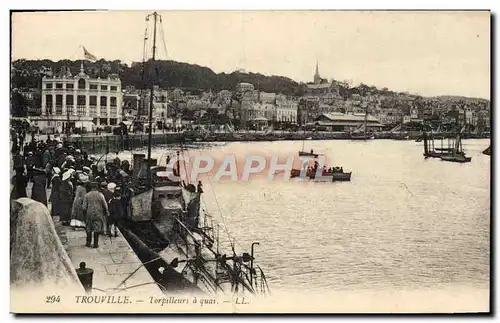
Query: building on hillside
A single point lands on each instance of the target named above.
(242, 87)
(321, 87)
(308, 109)
(160, 107)
(79, 101)
(131, 103)
(343, 122)
(286, 110)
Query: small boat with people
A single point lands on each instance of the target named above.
(331, 174)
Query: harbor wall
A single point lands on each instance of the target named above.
(113, 143)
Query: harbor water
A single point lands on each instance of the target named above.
(403, 222)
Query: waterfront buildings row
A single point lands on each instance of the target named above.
(82, 101)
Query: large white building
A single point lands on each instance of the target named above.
(83, 101)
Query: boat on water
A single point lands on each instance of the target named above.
(456, 158)
(310, 171)
(453, 153)
(360, 133)
(303, 152)
(307, 153)
(173, 235)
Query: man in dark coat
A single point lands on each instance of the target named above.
(116, 212)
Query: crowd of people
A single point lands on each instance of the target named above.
(86, 192)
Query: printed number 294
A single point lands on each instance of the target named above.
(52, 299)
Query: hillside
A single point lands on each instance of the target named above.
(190, 77)
(171, 74)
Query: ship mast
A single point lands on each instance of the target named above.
(151, 99)
(366, 118)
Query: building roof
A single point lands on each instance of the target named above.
(318, 86)
(346, 123)
(337, 116)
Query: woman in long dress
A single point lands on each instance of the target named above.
(77, 213)
(38, 191)
(19, 183)
(66, 197)
(54, 192)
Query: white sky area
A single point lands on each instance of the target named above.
(426, 52)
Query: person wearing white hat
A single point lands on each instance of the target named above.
(77, 214)
(111, 187)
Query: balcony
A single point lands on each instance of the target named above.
(92, 110)
(58, 109)
(69, 109)
(80, 110)
(49, 109)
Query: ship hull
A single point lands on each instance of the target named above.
(333, 177)
(456, 159)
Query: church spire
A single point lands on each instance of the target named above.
(317, 78)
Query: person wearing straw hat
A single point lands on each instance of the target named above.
(54, 192)
(96, 213)
(77, 214)
(87, 171)
(66, 197)
(104, 190)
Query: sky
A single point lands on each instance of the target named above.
(426, 52)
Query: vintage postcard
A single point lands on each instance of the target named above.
(250, 162)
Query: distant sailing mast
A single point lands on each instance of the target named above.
(155, 16)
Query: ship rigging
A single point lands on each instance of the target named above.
(170, 230)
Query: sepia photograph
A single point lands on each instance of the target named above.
(250, 161)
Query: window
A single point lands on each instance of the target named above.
(59, 99)
(93, 86)
(81, 84)
(48, 103)
(113, 101)
(104, 101)
(112, 122)
(104, 87)
(103, 121)
(113, 88)
(69, 86)
(93, 100)
(59, 86)
(69, 100)
(48, 85)
(81, 102)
